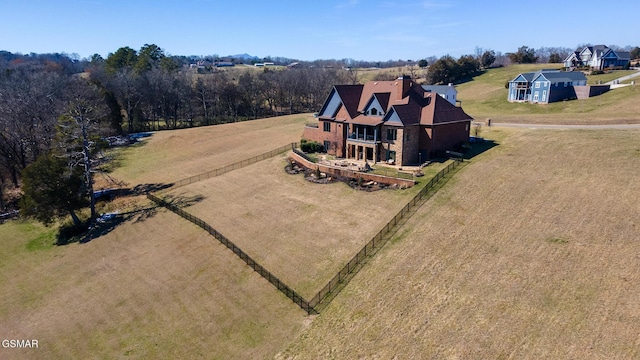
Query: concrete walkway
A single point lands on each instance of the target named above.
(624, 78)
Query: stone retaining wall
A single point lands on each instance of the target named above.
(344, 173)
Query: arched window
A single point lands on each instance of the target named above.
(374, 111)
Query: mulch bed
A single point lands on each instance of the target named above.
(312, 176)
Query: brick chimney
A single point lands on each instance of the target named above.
(403, 84)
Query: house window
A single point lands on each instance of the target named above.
(544, 95)
(374, 111)
(407, 135)
(327, 126)
(327, 146)
(537, 85)
(535, 96)
(392, 134)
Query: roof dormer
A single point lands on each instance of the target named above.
(377, 105)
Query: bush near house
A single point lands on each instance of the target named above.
(309, 146)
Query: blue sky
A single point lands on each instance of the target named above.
(333, 29)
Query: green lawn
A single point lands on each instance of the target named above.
(604, 78)
(486, 97)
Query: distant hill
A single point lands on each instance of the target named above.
(244, 57)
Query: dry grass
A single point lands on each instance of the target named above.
(530, 253)
(302, 232)
(169, 156)
(158, 288)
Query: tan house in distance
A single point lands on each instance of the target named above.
(396, 121)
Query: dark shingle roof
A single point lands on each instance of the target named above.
(562, 76)
(411, 102)
(350, 96)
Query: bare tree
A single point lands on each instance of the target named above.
(125, 85)
(76, 129)
(29, 104)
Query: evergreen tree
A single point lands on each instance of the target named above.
(51, 190)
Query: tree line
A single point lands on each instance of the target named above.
(129, 91)
(58, 108)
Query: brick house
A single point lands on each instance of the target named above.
(392, 121)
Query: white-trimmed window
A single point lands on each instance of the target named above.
(537, 85)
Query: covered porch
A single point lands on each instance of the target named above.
(363, 151)
(363, 142)
(521, 91)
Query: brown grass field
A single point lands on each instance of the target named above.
(530, 251)
(302, 232)
(157, 288)
(173, 155)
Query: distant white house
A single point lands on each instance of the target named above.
(598, 57)
(448, 92)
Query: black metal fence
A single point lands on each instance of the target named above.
(342, 277)
(234, 166)
(294, 148)
(378, 240)
(289, 292)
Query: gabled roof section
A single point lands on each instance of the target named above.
(624, 55)
(331, 105)
(342, 95)
(574, 55)
(392, 118)
(599, 49)
(350, 95)
(524, 77)
(441, 111)
(561, 76)
(609, 53)
(383, 99)
(409, 114)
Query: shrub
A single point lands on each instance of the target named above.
(311, 146)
